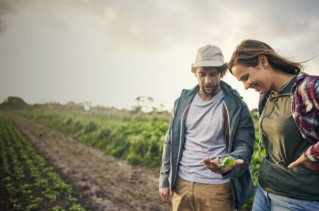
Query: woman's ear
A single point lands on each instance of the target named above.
(263, 61)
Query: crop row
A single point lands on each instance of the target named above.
(135, 141)
(31, 184)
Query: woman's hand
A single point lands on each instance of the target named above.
(304, 161)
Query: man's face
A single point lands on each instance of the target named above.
(208, 81)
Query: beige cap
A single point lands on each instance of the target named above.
(209, 56)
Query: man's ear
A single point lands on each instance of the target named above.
(194, 70)
(263, 61)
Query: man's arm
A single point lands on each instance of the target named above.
(308, 90)
(164, 190)
(243, 144)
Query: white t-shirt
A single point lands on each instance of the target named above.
(204, 137)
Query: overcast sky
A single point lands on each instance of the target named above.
(111, 52)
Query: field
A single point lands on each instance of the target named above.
(30, 183)
(109, 159)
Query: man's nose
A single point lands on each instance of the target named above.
(208, 79)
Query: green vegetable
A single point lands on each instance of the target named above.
(227, 161)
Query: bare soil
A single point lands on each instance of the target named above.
(104, 183)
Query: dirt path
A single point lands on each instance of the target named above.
(104, 182)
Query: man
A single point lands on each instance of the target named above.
(209, 121)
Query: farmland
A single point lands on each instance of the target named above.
(105, 155)
(30, 183)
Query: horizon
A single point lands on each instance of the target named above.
(87, 105)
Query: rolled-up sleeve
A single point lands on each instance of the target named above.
(312, 153)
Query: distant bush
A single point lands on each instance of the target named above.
(68, 121)
(90, 127)
(78, 125)
(14, 103)
(105, 133)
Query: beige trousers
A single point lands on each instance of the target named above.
(192, 196)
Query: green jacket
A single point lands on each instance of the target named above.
(241, 139)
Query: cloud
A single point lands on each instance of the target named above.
(93, 44)
(5, 9)
(156, 26)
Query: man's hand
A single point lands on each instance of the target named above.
(304, 161)
(215, 165)
(165, 196)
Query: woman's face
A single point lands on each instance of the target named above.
(253, 77)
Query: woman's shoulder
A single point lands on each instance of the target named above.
(305, 82)
(304, 78)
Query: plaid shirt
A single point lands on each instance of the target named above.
(305, 110)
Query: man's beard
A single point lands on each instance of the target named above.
(214, 86)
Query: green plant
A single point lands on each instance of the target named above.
(30, 181)
(225, 162)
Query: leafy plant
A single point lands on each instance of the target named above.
(226, 161)
(30, 181)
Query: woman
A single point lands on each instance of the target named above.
(288, 126)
